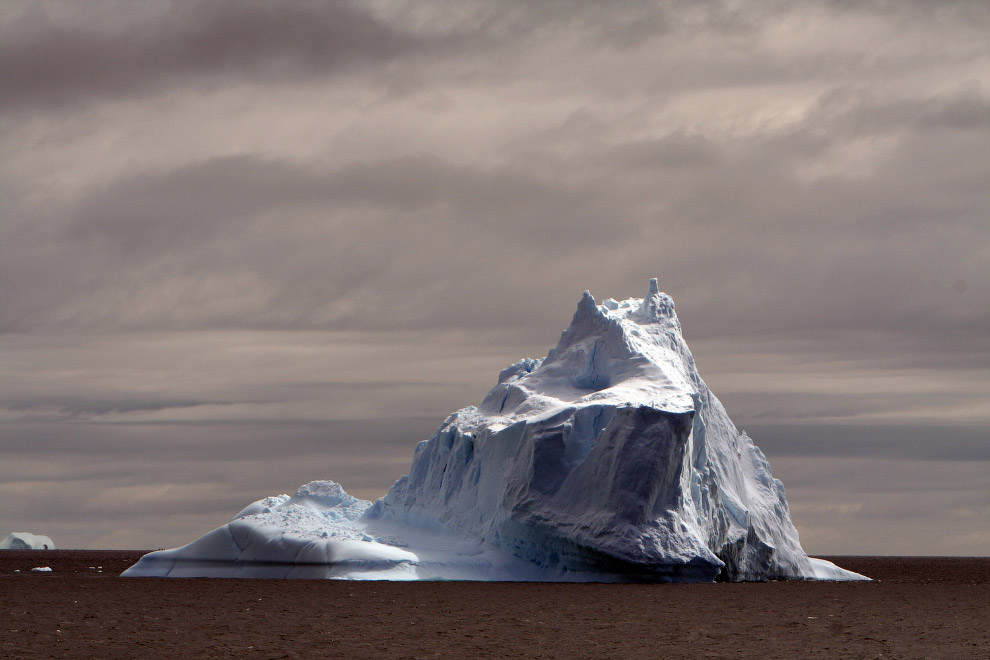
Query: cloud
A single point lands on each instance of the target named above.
(156, 213)
(879, 506)
(955, 442)
(50, 62)
(231, 241)
(164, 484)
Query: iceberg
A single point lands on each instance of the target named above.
(607, 460)
(26, 541)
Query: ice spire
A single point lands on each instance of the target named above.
(656, 305)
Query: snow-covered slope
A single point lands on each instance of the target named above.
(26, 541)
(607, 460)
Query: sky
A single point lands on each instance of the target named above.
(245, 245)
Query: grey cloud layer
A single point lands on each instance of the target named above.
(193, 193)
(45, 61)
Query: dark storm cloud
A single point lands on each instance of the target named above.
(44, 61)
(48, 60)
(56, 58)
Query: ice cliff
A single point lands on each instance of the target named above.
(609, 459)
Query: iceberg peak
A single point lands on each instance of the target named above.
(657, 306)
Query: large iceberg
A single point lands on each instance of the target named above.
(607, 460)
(26, 541)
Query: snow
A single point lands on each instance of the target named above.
(607, 460)
(41, 569)
(26, 541)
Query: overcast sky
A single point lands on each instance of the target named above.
(245, 245)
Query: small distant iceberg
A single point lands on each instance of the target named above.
(26, 541)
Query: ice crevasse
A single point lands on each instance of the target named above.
(607, 460)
